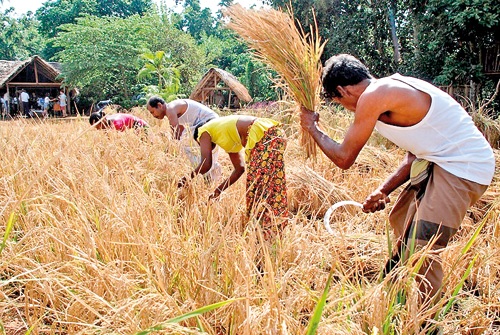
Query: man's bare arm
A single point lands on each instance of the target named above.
(341, 154)
(173, 110)
(380, 197)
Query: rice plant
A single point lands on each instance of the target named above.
(96, 239)
(281, 43)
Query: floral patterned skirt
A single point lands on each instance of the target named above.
(266, 195)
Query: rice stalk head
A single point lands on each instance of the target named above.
(281, 43)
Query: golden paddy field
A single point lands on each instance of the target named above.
(96, 239)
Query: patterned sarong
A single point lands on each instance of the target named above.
(266, 196)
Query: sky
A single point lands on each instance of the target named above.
(23, 6)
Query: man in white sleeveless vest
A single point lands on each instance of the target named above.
(184, 115)
(449, 163)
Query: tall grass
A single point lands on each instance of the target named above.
(103, 243)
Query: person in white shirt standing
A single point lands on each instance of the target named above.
(46, 106)
(6, 101)
(2, 107)
(25, 101)
(62, 102)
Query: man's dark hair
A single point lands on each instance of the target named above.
(95, 117)
(342, 70)
(155, 100)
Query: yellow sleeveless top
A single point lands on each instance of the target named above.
(224, 133)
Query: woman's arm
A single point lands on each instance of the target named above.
(239, 169)
(206, 159)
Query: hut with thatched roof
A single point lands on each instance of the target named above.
(37, 76)
(222, 89)
(31, 73)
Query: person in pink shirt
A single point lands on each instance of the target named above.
(118, 121)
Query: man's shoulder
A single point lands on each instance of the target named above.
(378, 88)
(383, 94)
(177, 106)
(388, 86)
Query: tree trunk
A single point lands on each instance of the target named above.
(394, 36)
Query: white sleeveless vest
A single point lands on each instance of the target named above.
(195, 113)
(446, 136)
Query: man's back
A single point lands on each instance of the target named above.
(25, 97)
(400, 104)
(194, 113)
(445, 135)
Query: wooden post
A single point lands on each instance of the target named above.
(68, 102)
(36, 71)
(76, 108)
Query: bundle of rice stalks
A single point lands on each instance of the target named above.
(489, 127)
(284, 46)
(311, 193)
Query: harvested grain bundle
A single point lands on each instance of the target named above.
(312, 194)
(288, 50)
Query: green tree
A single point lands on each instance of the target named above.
(222, 49)
(155, 64)
(19, 37)
(259, 81)
(358, 27)
(189, 57)
(101, 55)
(195, 20)
(223, 4)
(159, 65)
(451, 37)
(440, 40)
(55, 13)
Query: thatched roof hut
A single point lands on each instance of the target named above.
(31, 73)
(220, 88)
(35, 75)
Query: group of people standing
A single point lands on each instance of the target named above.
(24, 104)
(448, 165)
